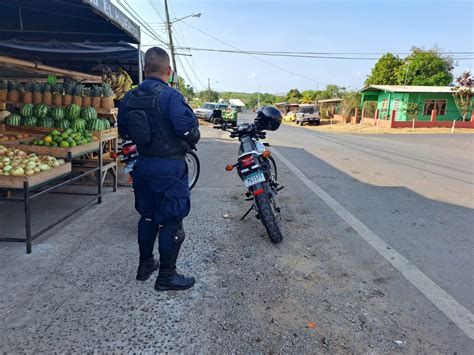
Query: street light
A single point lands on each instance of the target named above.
(168, 25)
(182, 18)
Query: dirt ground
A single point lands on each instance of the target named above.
(326, 126)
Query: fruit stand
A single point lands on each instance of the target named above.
(58, 125)
(49, 179)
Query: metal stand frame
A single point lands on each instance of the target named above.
(29, 194)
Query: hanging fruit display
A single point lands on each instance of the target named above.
(120, 82)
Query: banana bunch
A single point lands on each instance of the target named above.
(119, 81)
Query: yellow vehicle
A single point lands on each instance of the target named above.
(289, 117)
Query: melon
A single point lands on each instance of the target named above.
(27, 110)
(88, 113)
(13, 120)
(30, 121)
(78, 124)
(58, 113)
(73, 112)
(41, 110)
(46, 122)
(62, 124)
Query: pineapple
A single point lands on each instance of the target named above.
(28, 93)
(96, 93)
(38, 93)
(58, 95)
(86, 99)
(47, 95)
(68, 90)
(3, 91)
(13, 92)
(108, 97)
(77, 93)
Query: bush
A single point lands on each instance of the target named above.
(349, 103)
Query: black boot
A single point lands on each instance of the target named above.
(146, 267)
(171, 280)
(168, 278)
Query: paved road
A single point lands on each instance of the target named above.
(345, 196)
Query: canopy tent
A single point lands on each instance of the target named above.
(54, 32)
(86, 57)
(68, 20)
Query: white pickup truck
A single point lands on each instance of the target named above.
(307, 114)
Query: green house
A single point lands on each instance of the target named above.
(390, 98)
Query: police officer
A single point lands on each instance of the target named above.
(162, 125)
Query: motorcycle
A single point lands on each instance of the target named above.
(257, 169)
(128, 155)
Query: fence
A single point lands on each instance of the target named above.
(431, 121)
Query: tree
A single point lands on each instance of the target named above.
(331, 92)
(293, 96)
(426, 67)
(462, 93)
(385, 71)
(185, 89)
(308, 96)
(209, 96)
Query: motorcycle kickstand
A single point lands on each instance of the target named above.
(246, 213)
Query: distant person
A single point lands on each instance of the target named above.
(158, 120)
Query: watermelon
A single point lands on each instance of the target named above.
(95, 125)
(88, 113)
(106, 123)
(78, 124)
(73, 112)
(46, 122)
(27, 110)
(13, 120)
(30, 121)
(58, 113)
(62, 124)
(41, 110)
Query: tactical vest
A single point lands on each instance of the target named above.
(148, 128)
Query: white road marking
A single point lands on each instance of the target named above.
(451, 308)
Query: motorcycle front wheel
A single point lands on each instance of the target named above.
(194, 168)
(268, 212)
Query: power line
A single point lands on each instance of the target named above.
(252, 55)
(180, 36)
(149, 31)
(287, 54)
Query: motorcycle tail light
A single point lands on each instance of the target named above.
(247, 161)
(114, 155)
(266, 154)
(129, 149)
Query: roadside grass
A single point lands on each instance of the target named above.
(326, 126)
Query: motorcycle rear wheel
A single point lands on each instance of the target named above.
(269, 216)
(194, 168)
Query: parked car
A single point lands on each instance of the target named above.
(210, 111)
(307, 114)
(289, 117)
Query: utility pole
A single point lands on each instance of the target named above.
(170, 37)
(258, 97)
(209, 89)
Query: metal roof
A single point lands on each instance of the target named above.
(409, 88)
(236, 102)
(329, 100)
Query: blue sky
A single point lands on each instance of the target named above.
(305, 25)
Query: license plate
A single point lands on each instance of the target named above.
(129, 167)
(254, 178)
